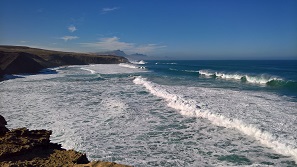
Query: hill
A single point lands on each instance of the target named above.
(135, 56)
(20, 59)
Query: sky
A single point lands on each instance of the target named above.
(173, 29)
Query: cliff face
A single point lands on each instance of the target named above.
(17, 59)
(13, 63)
(23, 147)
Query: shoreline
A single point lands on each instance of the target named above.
(26, 60)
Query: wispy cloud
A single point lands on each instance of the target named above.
(72, 28)
(114, 43)
(147, 48)
(24, 41)
(106, 10)
(67, 38)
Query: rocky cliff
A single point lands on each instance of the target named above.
(18, 59)
(23, 147)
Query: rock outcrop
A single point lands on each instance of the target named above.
(14, 63)
(18, 59)
(23, 147)
(3, 129)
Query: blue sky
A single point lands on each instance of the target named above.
(192, 29)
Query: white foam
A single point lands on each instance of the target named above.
(229, 76)
(138, 62)
(112, 68)
(92, 71)
(206, 73)
(131, 66)
(190, 108)
(262, 79)
(115, 120)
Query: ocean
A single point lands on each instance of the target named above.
(164, 113)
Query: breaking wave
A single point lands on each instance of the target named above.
(86, 69)
(261, 79)
(138, 62)
(194, 109)
(131, 66)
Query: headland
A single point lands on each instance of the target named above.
(26, 60)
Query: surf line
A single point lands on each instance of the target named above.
(190, 108)
(92, 71)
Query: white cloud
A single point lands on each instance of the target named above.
(105, 10)
(114, 43)
(147, 48)
(72, 28)
(66, 38)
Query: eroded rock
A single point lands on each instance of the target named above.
(24, 147)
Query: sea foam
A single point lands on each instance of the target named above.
(138, 62)
(131, 66)
(261, 79)
(194, 109)
(86, 69)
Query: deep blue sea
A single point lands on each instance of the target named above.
(164, 113)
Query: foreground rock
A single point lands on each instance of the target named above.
(23, 147)
(3, 129)
(18, 59)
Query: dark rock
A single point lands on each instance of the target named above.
(3, 129)
(22, 141)
(32, 147)
(22, 63)
(24, 147)
(2, 121)
(1, 73)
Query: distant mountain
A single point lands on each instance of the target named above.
(123, 54)
(114, 52)
(138, 54)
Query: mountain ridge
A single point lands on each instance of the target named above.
(122, 53)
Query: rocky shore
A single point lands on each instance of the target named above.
(23, 147)
(19, 59)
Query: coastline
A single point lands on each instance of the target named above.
(26, 60)
(24, 147)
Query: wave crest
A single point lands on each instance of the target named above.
(261, 79)
(86, 69)
(192, 108)
(131, 66)
(138, 62)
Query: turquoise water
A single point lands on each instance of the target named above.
(272, 76)
(164, 113)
